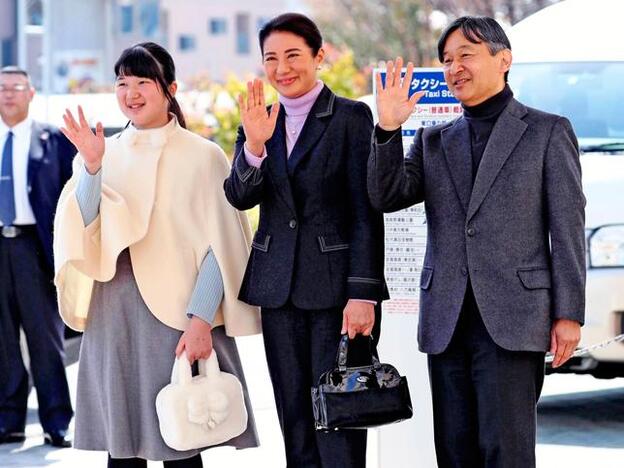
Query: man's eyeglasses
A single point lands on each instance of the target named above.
(16, 88)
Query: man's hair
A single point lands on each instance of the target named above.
(477, 29)
(13, 70)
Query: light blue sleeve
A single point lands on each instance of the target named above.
(89, 194)
(208, 291)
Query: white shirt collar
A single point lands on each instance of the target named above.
(20, 130)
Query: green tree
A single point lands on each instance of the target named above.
(343, 77)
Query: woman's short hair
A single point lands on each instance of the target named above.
(297, 24)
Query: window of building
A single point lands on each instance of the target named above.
(262, 21)
(149, 19)
(242, 33)
(8, 52)
(34, 12)
(126, 18)
(187, 42)
(217, 26)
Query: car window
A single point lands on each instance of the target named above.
(587, 93)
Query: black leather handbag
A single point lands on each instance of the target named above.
(360, 397)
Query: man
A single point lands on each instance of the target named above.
(35, 164)
(504, 273)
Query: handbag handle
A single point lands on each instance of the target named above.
(210, 367)
(343, 351)
(181, 372)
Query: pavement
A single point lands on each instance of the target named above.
(580, 422)
(580, 425)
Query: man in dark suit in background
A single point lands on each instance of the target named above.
(35, 164)
(503, 278)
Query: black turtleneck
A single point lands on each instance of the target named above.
(481, 119)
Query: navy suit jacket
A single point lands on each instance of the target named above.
(319, 241)
(518, 233)
(49, 168)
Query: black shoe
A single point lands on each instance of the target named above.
(56, 439)
(11, 437)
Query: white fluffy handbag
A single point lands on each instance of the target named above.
(200, 411)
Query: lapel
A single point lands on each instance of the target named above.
(36, 153)
(506, 134)
(313, 128)
(456, 145)
(276, 154)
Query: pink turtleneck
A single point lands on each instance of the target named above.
(297, 110)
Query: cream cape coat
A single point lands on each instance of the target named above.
(162, 197)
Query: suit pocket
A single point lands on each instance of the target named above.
(535, 278)
(331, 243)
(261, 241)
(425, 278)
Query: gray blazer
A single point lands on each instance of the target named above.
(518, 234)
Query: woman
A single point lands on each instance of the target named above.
(149, 257)
(316, 266)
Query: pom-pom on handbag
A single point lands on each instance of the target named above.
(360, 397)
(200, 411)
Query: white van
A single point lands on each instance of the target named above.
(569, 59)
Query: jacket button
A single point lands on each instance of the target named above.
(471, 231)
(464, 271)
(292, 224)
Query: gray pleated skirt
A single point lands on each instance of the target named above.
(125, 360)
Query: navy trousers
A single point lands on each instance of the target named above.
(484, 398)
(300, 345)
(28, 300)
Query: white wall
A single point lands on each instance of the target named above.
(216, 55)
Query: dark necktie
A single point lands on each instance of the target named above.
(7, 195)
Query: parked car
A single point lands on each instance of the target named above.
(569, 59)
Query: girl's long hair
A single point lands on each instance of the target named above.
(149, 60)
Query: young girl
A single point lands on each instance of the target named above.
(316, 267)
(149, 258)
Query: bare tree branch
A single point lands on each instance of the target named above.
(381, 30)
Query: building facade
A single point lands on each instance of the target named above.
(217, 37)
(72, 45)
